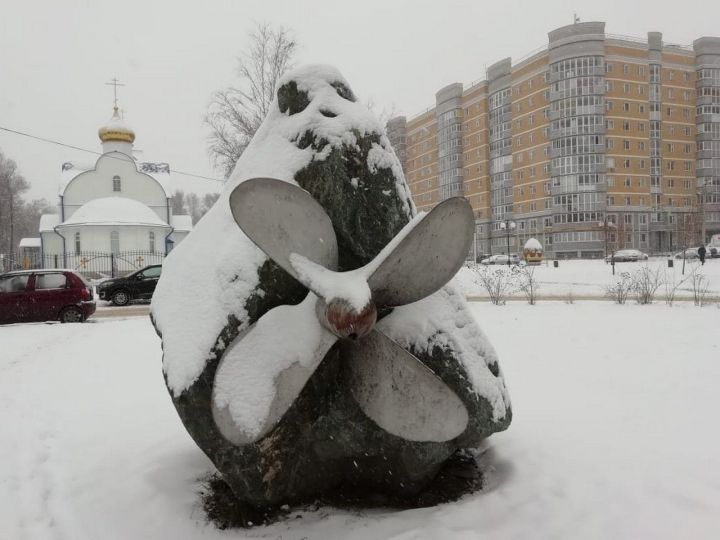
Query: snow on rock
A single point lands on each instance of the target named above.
(235, 356)
(216, 266)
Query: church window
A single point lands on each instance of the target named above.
(115, 242)
(77, 242)
(151, 236)
(116, 183)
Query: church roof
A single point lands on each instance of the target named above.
(116, 130)
(30, 242)
(115, 211)
(48, 222)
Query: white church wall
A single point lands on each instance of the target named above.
(51, 243)
(98, 183)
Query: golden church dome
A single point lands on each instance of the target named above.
(116, 130)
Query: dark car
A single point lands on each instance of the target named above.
(139, 285)
(45, 295)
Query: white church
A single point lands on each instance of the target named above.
(116, 205)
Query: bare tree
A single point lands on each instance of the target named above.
(528, 284)
(646, 283)
(687, 230)
(209, 201)
(235, 113)
(12, 187)
(177, 203)
(498, 282)
(620, 288)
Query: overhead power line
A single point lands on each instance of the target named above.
(51, 141)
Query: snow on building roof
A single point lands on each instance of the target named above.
(115, 211)
(533, 243)
(48, 222)
(30, 242)
(181, 223)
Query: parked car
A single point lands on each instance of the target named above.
(627, 255)
(501, 259)
(45, 295)
(139, 285)
(690, 253)
(712, 252)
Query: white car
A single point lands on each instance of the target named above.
(627, 255)
(690, 253)
(501, 259)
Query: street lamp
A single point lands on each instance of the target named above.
(607, 224)
(507, 226)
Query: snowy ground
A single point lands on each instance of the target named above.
(615, 435)
(588, 278)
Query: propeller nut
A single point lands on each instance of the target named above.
(346, 322)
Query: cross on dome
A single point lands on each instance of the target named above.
(116, 129)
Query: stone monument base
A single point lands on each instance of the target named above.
(461, 474)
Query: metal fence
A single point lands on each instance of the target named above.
(92, 264)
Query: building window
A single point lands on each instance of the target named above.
(151, 237)
(77, 242)
(116, 183)
(114, 242)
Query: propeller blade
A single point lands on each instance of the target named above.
(400, 393)
(282, 219)
(427, 258)
(265, 369)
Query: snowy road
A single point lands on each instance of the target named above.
(614, 436)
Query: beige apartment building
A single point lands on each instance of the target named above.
(594, 134)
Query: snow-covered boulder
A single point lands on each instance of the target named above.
(217, 284)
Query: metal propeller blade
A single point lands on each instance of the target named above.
(265, 369)
(427, 258)
(400, 393)
(282, 219)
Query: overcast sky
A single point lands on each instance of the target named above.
(56, 55)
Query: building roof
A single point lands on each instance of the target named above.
(115, 129)
(30, 242)
(48, 222)
(181, 223)
(115, 211)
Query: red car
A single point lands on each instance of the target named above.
(45, 295)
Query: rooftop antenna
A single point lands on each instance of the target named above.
(114, 83)
(576, 19)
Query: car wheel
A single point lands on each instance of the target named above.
(71, 315)
(120, 298)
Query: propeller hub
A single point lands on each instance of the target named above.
(343, 320)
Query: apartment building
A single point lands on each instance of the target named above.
(594, 139)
